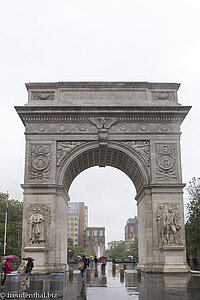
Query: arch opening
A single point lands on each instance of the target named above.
(113, 156)
(109, 195)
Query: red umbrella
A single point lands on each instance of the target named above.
(10, 257)
(102, 257)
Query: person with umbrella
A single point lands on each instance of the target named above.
(103, 260)
(7, 266)
(83, 269)
(29, 266)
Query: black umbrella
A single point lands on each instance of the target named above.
(28, 258)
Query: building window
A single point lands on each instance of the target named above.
(131, 228)
(101, 233)
(88, 233)
(95, 233)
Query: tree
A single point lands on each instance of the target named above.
(134, 248)
(192, 227)
(119, 251)
(14, 225)
(73, 249)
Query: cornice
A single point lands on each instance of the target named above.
(121, 85)
(129, 114)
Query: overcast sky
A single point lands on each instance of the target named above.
(76, 40)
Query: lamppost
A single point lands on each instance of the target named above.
(18, 240)
(128, 251)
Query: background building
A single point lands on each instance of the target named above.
(131, 228)
(114, 244)
(77, 219)
(95, 240)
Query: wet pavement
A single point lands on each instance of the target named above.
(149, 286)
(111, 286)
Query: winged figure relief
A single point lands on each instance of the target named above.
(103, 122)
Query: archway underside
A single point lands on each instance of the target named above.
(102, 157)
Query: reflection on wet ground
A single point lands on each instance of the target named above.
(109, 285)
(149, 286)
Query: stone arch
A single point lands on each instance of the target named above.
(133, 126)
(115, 155)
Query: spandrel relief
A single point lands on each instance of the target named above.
(142, 148)
(38, 217)
(63, 148)
(168, 224)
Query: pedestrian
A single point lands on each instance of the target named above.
(96, 261)
(195, 261)
(103, 265)
(91, 262)
(82, 266)
(114, 261)
(188, 260)
(29, 267)
(7, 270)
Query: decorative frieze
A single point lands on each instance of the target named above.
(63, 148)
(38, 220)
(40, 95)
(166, 164)
(89, 127)
(142, 148)
(40, 159)
(168, 224)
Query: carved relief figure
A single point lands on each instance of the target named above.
(142, 148)
(36, 227)
(38, 219)
(168, 221)
(63, 148)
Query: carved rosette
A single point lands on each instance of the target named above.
(63, 148)
(142, 148)
(166, 166)
(38, 220)
(168, 224)
(47, 95)
(40, 162)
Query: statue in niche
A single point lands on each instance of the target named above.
(168, 220)
(36, 227)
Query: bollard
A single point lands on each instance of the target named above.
(12, 283)
(71, 274)
(88, 274)
(36, 283)
(122, 275)
(56, 284)
(139, 273)
(124, 266)
(113, 269)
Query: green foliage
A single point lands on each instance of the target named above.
(73, 249)
(192, 228)
(14, 225)
(134, 248)
(122, 251)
